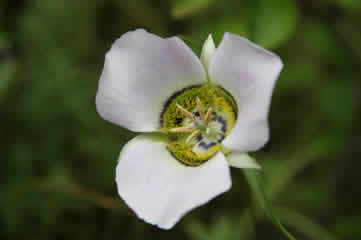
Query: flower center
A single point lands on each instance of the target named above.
(197, 120)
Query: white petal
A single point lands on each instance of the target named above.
(208, 50)
(249, 73)
(242, 160)
(141, 71)
(160, 189)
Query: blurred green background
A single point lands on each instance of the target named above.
(58, 156)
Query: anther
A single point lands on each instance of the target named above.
(186, 112)
(208, 116)
(182, 129)
(200, 108)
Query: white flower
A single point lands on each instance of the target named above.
(206, 114)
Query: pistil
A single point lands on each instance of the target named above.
(200, 125)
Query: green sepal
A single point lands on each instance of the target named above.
(208, 50)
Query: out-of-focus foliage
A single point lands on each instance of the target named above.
(59, 156)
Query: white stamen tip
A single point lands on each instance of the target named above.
(193, 135)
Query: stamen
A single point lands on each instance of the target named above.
(200, 108)
(208, 116)
(182, 129)
(186, 112)
(193, 135)
(208, 130)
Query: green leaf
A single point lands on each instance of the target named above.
(350, 4)
(272, 21)
(8, 71)
(197, 230)
(223, 227)
(304, 224)
(255, 181)
(8, 65)
(184, 8)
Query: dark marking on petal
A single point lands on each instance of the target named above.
(230, 95)
(171, 98)
(183, 163)
(207, 146)
(178, 120)
(224, 123)
(221, 139)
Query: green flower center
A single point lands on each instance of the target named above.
(197, 119)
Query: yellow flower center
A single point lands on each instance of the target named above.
(197, 120)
